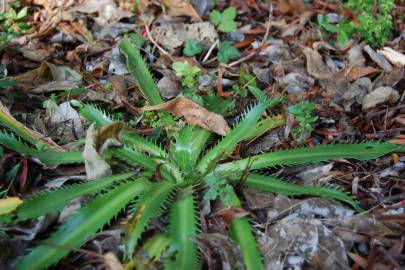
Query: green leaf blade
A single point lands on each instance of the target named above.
(148, 207)
(54, 200)
(183, 233)
(80, 226)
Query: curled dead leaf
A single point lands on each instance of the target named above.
(182, 8)
(97, 141)
(194, 114)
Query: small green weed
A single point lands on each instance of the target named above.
(303, 114)
(225, 20)
(187, 73)
(12, 25)
(192, 47)
(227, 52)
(374, 17)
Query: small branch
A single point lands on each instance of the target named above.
(162, 51)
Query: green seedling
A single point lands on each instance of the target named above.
(187, 73)
(227, 52)
(224, 20)
(192, 47)
(374, 21)
(303, 114)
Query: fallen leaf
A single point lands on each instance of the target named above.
(9, 204)
(290, 6)
(97, 141)
(48, 77)
(111, 261)
(172, 36)
(315, 65)
(194, 114)
(396, 58)
(107, 10)
(182, 8)
(357, 72)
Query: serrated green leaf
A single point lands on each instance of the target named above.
(54, 200)
(148, 207)
(79, 227)
(183, 233)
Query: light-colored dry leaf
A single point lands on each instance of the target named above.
(97, 141)
(111, 261)
(396, 58)
(315, 65)
(358, 72)
(194, 114)
(9, 204)
(108, 11)
(182, 8)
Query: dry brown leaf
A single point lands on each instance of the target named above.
(315, 65)
(182, 8)
(358, 72)
(290, 6)
(194, 114)
(97, 141)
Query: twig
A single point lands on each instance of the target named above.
(210, 51)
(162, 51)
(268, 25)
(250, 55)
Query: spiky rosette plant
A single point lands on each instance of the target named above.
(170, 179)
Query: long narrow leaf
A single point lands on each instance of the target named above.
(149, 206)
(273, 184)
(360, 151)
(242, 131)
(241, 232)
(81, 226)
(183, 233)
(54, 200)
(45, 156)
(141, 73)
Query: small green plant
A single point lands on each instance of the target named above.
(374, 21)
(245, 80)
(344, 29)
(227, 52)
(303, 114)
(187, 73)
(168, 181)
(12, 25)
(192, 47)
(225, 20)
